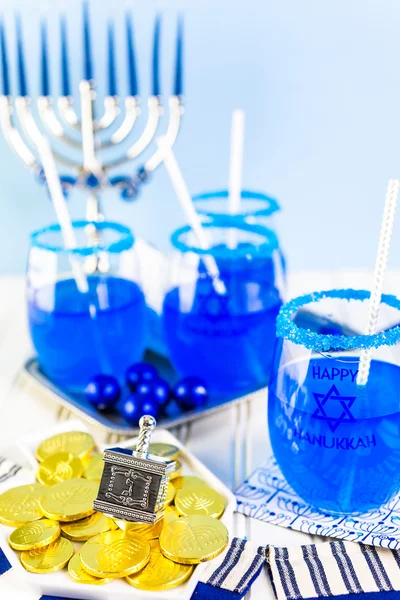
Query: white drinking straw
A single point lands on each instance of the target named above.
(191, 215)
(69, 239)
(61, 210)
(385, 236)
(235, 170)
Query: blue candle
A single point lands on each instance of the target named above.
(5, 77)
(65, 81)
(130, 52)
(22, 81)
(44, 59)
(156, 57)
(178, 87)
(87, 54)
(112, 72)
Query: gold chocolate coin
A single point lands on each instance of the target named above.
(48, 559)
(79, 575)
(177, 470)
(192, 540)
(163, 450)
(160, 573)
(36, 534)
(94, 468)
(114, 554)
(83, 530)
(170, 514)
(200, 500)
(171, 491)
(69, 500)
(186, 481)
(146, 531)
(59, 467)
(77, 443)
(21, 504)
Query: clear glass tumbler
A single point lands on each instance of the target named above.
(256, 208)
(225, 338)
(78, 335)
(336, 442)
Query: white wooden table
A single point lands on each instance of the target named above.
(211, 439)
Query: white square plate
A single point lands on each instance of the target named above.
(60, 584)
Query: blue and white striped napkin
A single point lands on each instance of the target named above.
(4, 563)
(230, 576)
(340, 569)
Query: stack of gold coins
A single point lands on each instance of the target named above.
(57, 526)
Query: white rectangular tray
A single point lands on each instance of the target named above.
(60, 584)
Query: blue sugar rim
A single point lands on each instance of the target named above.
(266, 248)
(318, 342)
(125, 241)
(271, 205)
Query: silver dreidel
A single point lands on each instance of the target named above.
(134, 484)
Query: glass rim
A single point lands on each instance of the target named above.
(228, 222)
(271, 204)
(125, 241)
(322, 342)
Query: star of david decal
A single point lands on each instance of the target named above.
(346, 402)
(213, 306)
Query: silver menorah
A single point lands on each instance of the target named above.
(22, 128)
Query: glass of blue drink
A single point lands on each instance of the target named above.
(226, 338)
(256, 208)
(337, 442)
(78, 335)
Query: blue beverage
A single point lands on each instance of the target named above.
(337, 446)
(228, 340)
(80, 335)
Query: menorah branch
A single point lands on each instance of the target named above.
(32, 131)
(111, 111)
(12, 135)
(67, 111)
(153, 117)
(52, 123)
(175, 113)
(132, 111)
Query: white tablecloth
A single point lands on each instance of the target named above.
(21, 412)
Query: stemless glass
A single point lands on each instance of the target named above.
(337, 444)
(256, 208)
(78, 335)
(225, 338)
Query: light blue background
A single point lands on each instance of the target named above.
(320, 83)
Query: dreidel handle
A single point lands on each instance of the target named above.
(146, 424)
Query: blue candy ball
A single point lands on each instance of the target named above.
(103, 392)
(161, 392)
(190, 393)
(131, 409)
(138, 373)
(145, 389)
(151, 407)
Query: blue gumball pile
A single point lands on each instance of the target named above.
(147, 393)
